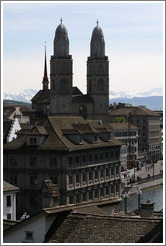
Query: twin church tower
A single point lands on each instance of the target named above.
(62, 99)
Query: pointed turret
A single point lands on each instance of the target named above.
(45, 78)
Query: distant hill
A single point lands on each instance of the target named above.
(152, 99)
(13, 102)
(152, 102)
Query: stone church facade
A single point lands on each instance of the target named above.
(62, 98)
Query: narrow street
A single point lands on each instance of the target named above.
(146, 171)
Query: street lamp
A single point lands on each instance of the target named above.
(139, 193)
(153, 168)
(125, 196)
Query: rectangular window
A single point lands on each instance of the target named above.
(70, 199)
(107, 191)
(90, 157)
(13, 179)
(90, 195)
(77, 198)
(112, 171)
(33, 160)
(96, 174)
(117, 170)
(95, 138)
(53, 161)
(80, 139)
(29, 235)
(8, 201)
(107, 172)
(101, 156)
(101, 174)
(84, 177)
(83, 158)
(70, 161)
(13, 160)
(96, 157)
(102, 192)
(77, 178)
(33, 140)
(96, 193)
(8, 216)
(54, 180)
(90, 176)
(70, 179)
(77, 159)
(112, 154)
(84, 196)
(33, 180)
(106, 155)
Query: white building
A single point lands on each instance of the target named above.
(9, 201)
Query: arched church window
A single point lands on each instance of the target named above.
(53, 85)
(63, 85)
(100, 69)
(90, 86)
(100, 85)
(90, 69)
(83, 111)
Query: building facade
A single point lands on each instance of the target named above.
(9, 201)
(77, 155)
(148, 123)
(128, 135)
(62, 98)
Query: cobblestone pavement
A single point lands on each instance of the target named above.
(146, 170)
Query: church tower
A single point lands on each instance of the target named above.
(61, 74)
(98, 75)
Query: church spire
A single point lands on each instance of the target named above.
(45, 78)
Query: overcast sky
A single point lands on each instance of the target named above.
(133, 34)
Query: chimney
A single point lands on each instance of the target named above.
(147, 209)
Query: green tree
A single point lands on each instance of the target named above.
(119, 119)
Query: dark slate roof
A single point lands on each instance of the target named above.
(7, 111)
(59, 123)
(95, 210)
(23, 108)
(56, 127)
(86, 228)
(9, 187)
(8, 224)
(119, 126)
(76, 91)
(142, 111)
(82, 99)
(42, 96)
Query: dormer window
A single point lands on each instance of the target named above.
(95, 139)
(33, 140)
(80, 139)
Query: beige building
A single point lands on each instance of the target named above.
(128, 135)
(78, 155)
(62, 98)
(148, 123)
(9, 201)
